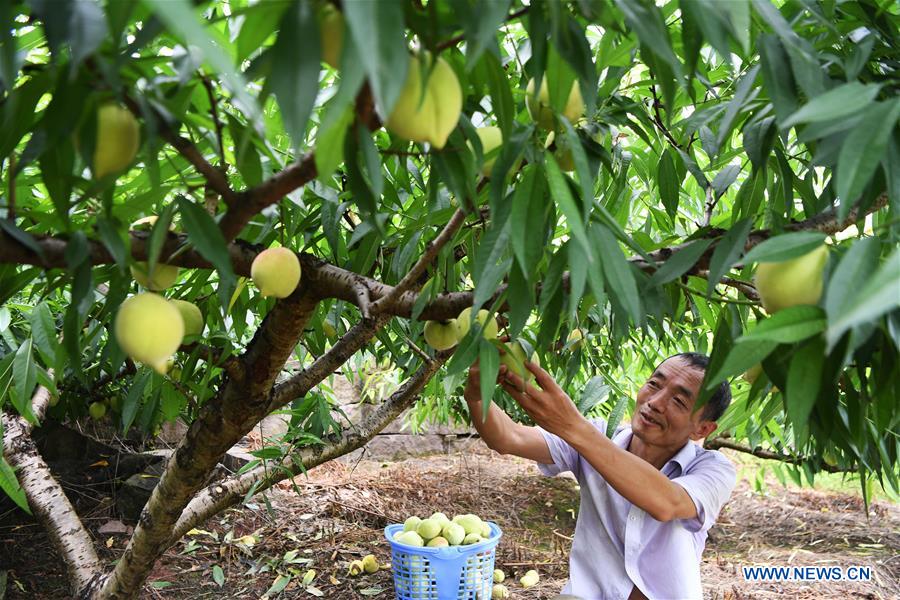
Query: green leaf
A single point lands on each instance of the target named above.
(378, 31)
(10, 60)
(728, 251)
(850, 275)
(842, 101)
(10, 485)
(743, 355)
(617, 272)
(24, 377)
(87, 29)
(490, 262)
(758, 138)
(777, 76)
(180, 18)
(746, 91)
(481, 24)
(669, 183)
(43, 330)
(862, 151)
(132, 403)
(158, 235)
(785, 247)
(647, 21)
(489, 367)
(529, 210)
(520, 296)
(501, 95)
(872, 300)
(56, 171)
(114, 241)
(615, 416)
(595, 392)
(679, 263)
(295, 82)
(562, 195)
(219, 576)
(804, 380)
(210, 243)
(789, 325)
(260, 22)
(724, 179)
(722, 344)
(339, 115)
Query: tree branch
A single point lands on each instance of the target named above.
(295, 387)
(214, 113)
(431, 251)
(46, 498)
(189, 151)
(329, 281)
(718, 443)
(232, 490)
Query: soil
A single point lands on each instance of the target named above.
(337, 513)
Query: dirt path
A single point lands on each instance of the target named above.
(338, 513)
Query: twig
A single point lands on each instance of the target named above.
(711, 201)
(214, 111)
(717, 443)
(745, 288)
(721, 298)
(431, 251)
(412, 346)
(186, 148)
(657, 120)
(361, 291)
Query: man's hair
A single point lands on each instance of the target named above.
(721, 398)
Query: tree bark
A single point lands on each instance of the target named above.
(230, 491)
(46, 498)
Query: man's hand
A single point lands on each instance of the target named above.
(549, 405)
(473, 382)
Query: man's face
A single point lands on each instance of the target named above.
(664, 414)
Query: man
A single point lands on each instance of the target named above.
(648, 495)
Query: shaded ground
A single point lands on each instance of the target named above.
(338, 513)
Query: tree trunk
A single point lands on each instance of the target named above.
(222, 421)
(46, 498)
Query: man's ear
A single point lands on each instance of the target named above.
(703, 429)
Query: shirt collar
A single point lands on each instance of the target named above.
(684, 456)
(622, 438)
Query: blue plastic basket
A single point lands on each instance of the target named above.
(448, 573)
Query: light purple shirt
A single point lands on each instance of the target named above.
(617, 545)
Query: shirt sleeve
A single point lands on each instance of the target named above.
(709, 483)
(565, 457)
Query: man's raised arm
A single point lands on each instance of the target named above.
(499, 431)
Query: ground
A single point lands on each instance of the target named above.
(338, 513)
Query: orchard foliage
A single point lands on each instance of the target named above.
(715, 135)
